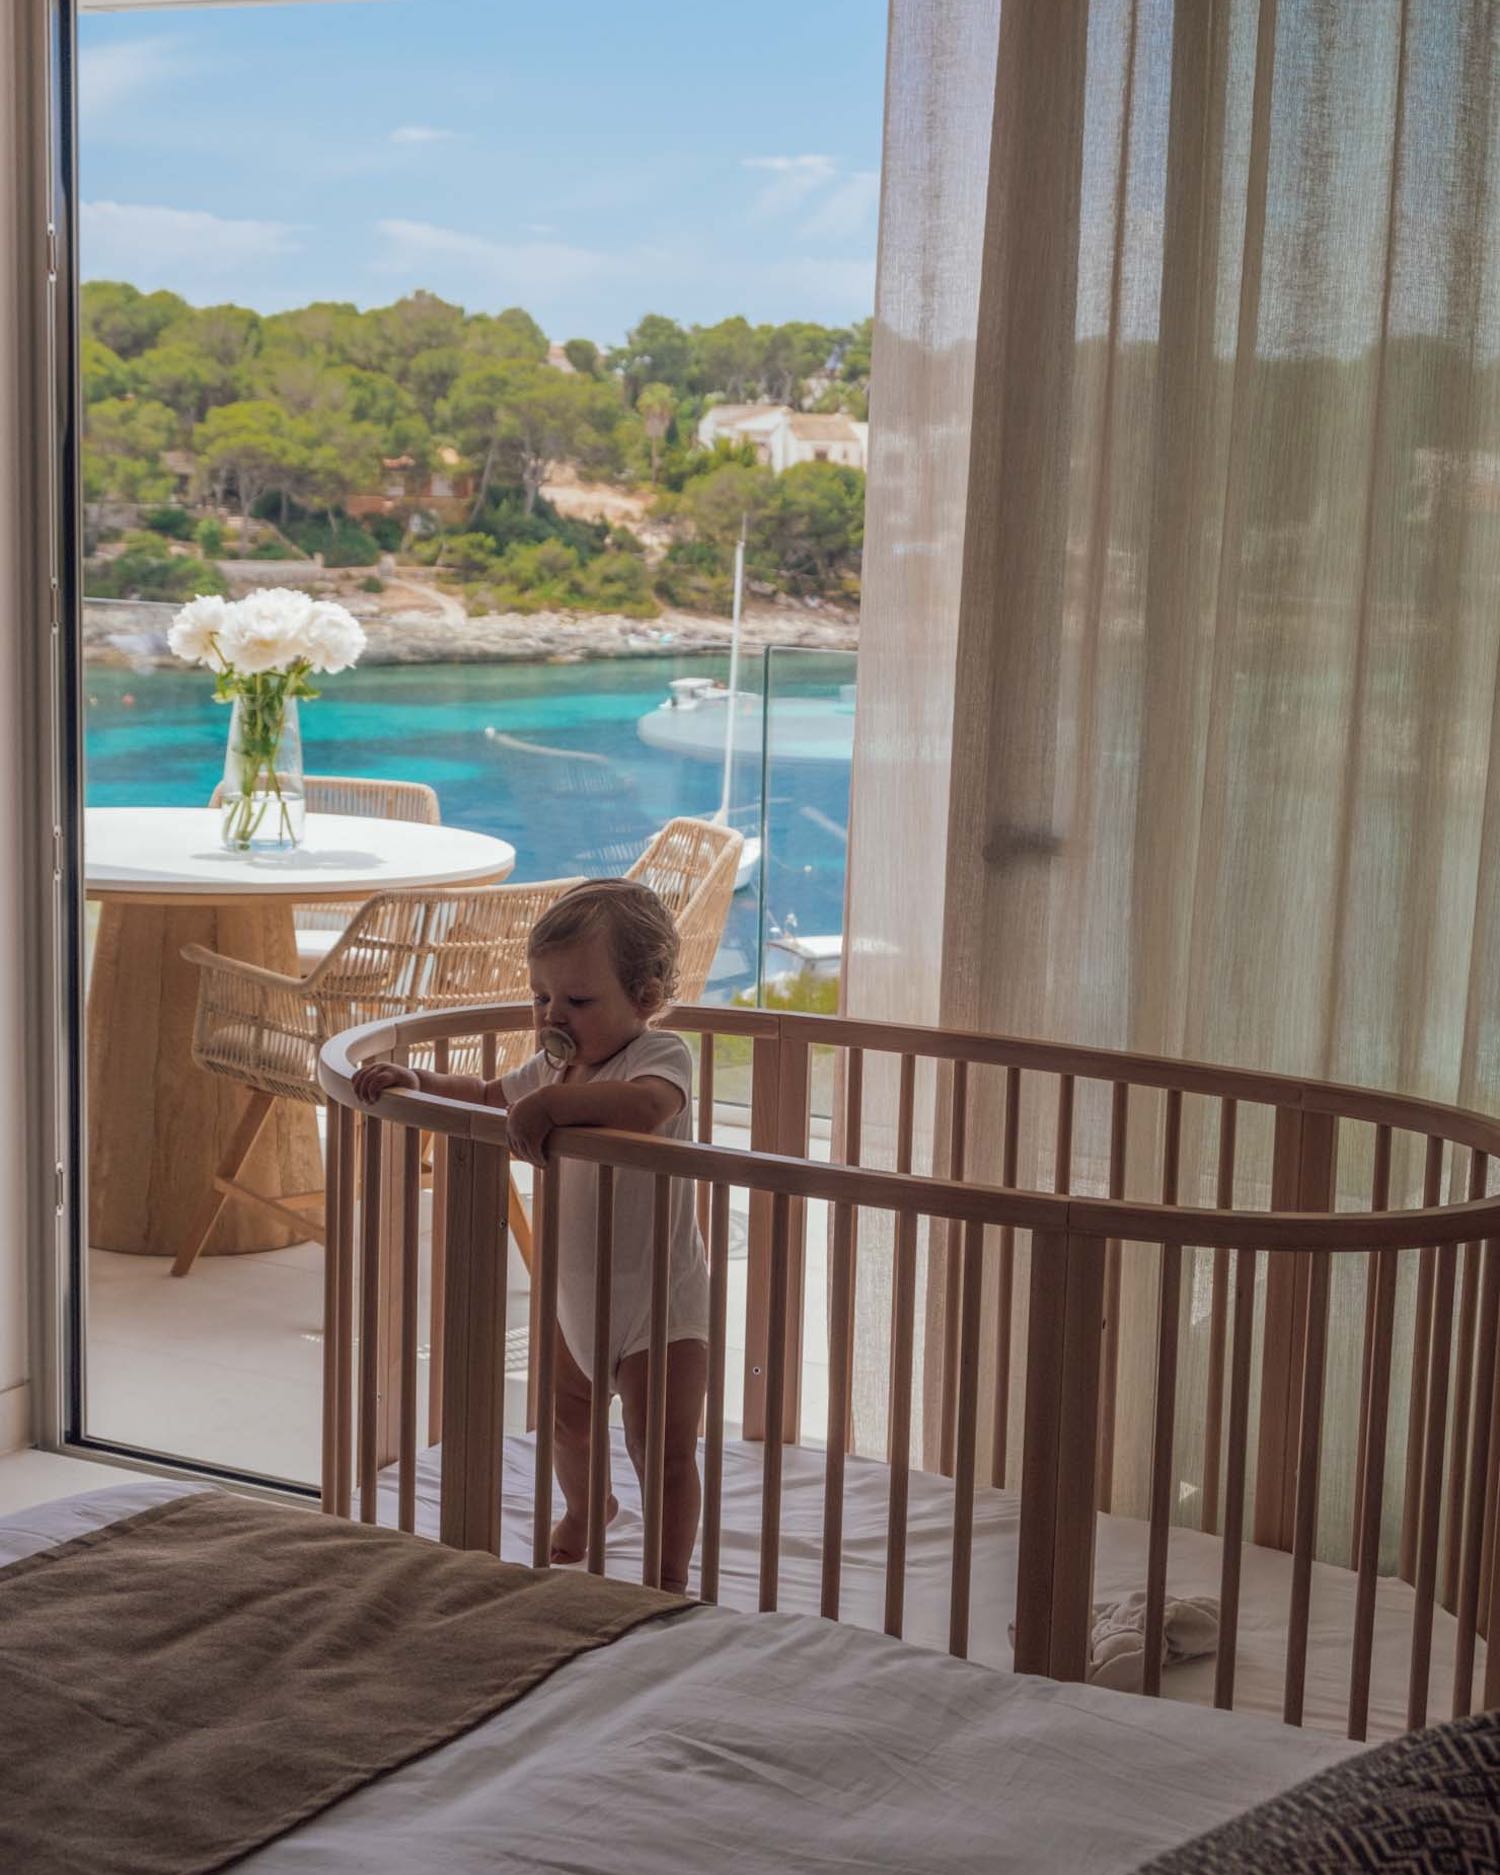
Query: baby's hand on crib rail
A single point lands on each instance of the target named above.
(376, 1077)
(530, 1123)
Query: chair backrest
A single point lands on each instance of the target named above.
(370, 798)
(692, 865)
(407, 952)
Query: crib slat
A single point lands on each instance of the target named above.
(958, 1115)
(906, 1111)
(853, 1145)
(1309, 1453)
(1109, 1369)
(333, 1313)
(1463, 1398)
(705, 1118)
(713, 1439)
(1416, 1423)
(840, 1367)
(1169, 1297)
(1218, 1325)
(1489, 1575)
(488, 1054)
(599, 1374)
(438, 1285)
(411, 1200)
(1380, 1200)
(543, 1363)
(967, 1438)
(347, 1121)
(1436, 1427)
(1372, 1481)
(1236, 1450)
(369, 1346)
(1005, 1282)
(903, 1313)
(1481, 1486)
(656, 1380)
(1062, 1157)
(770, 1495)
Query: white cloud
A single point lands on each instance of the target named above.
(793, 180)
(422, 133)
(113, 75)
(192, 252)
(848, 209)
(454, 263)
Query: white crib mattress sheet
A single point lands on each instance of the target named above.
(782, 1742)
(1120, 1568)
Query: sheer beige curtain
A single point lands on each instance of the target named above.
(1178, 690)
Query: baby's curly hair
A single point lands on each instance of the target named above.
(637, 926)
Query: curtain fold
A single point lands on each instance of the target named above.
(1178, 699)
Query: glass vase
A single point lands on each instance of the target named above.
(261, 808)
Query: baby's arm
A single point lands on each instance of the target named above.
(371, 1081)
(638, 1106)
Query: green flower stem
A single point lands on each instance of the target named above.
(262, 698)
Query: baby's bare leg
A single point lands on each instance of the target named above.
(682, 1493)
(570, 1457)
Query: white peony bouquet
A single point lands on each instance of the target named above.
(263, 651)
(275, 632)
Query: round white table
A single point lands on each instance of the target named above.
(158, 1126)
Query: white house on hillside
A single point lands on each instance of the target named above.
(783, 437)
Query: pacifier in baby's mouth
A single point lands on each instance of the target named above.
(558, 1046)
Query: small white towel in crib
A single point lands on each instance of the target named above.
(1117, 1640)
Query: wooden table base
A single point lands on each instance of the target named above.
(158, 1125)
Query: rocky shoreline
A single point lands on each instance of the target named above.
(131, 635)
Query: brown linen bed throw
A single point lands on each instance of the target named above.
(181, 1686)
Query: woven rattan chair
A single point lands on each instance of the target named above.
(403, 953)
(691, 866)
(317, 926)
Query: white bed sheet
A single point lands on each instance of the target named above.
(1120, 1568)
(715, 1742)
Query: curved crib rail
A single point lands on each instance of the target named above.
(1256, 1188)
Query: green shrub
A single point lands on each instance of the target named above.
(174, 523)
(698, 576)
(619, 582)
(140, 574)
(345, 543)
(507, 523)
(209, 535)
(372, 584)
(386, 530)
(273, 547)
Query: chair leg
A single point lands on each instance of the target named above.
(520, 1224)
(241, 1145)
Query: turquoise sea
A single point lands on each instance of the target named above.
(585, 797)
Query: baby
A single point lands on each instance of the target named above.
(603, 968)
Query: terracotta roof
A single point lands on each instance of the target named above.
(827, 429)
(735, 414)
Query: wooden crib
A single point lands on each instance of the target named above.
(1031, 1185)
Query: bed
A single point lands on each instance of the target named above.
(1120, 1569)
(716, 1740)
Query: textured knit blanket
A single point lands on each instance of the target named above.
(1425, 1804)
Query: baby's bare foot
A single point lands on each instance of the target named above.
(570, 1534)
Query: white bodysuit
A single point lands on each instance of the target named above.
(662, 1057)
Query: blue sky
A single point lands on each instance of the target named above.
(588, 160)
